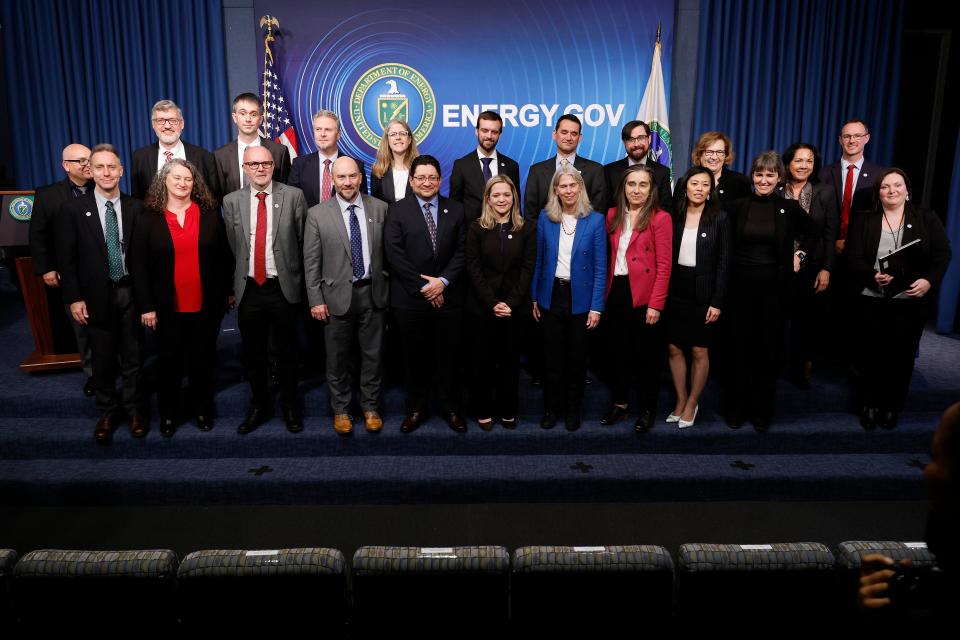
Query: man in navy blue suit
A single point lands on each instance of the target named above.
(313, 173)
(471, 172)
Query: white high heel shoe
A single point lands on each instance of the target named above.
(672, 418)
(683, 424)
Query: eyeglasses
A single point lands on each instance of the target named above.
(167, 121)
(266, 164)
(398, 134)
(714, 154)
(80, 161)
(422, 179)
(638, 139)
(854, 136)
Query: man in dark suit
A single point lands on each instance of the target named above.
(424, 242)
(47, 202)
(248, 116)
(567, 135)
(167, 121)
(348, 290)
(852, 178)
(471, 172)
(313, 173)
(93, 240)
(636, 140)
(264, 223)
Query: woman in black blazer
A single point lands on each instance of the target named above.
(813, 258)
(501, 254)
(893, 308)
(698, 284)
(392, 167)
(182, 271)
(714, 150)
(764, 228)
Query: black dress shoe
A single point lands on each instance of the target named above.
(615, 415)
(256, 416)
(456, 422)
(886, 419)
(168, 426)
(293, 417)
(412, 421)
(106, 425)
(868, 418)
(485, 423)
(509, 423)
(204, 422)
(644, 421)
(88, 389)
(733, 420)
(761, 425)
(549, 420)
(572, 421)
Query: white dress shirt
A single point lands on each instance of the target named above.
(102, 212)
(254, 203)
(178, 152)
(688, 248)
(241, 147)
(362, 220)
(565, 252)
(620, 266)
(400, 183)
(494, 162)
(843, 174)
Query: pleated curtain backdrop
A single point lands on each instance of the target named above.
(947, 321)
(773, 73)
(88, 71)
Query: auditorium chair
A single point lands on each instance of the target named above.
(600, 590)
(427, 592)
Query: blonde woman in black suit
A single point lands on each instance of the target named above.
(388, 177)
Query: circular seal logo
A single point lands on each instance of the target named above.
(387, 91)
(21, 208)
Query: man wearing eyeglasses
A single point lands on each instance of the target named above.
(264, 222)
(636, 141)
(47, 202)
(166, 118)
(248, 116)
(424, 243)
(313, 173)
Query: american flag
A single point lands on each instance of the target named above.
(276, 119)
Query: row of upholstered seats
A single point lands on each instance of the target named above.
(453, 591)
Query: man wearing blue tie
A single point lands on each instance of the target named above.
(471, 172)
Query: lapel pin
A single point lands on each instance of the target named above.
(276, 205)
(865, 174)
(503, 164)
(509, 236)
(703, 235)
(782, 211)
(444, 210)
(89, 214)
(720, 190)
(909, 226)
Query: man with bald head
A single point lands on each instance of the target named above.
(264, 223)
(47, 202)
(347, 290)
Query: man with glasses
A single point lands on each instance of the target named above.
(424, 243)
(264, 222)
(47, 202)
(313, 173)
(636, 140)
(471, 172)
(248, 116)
(167, 121)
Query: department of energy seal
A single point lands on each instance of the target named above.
(21, 208)
(388, 91)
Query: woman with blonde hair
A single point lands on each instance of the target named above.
(388, 177)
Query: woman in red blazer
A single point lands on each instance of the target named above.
(641, 255)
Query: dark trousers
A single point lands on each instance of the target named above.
(61, 325)
(265, 312)
(191, 339)
(807, 320)
(430, 341)
(635, 348)
(115, 349)
(365, 323)
(495, 343)
(565, 350)
(890, 332)
(83, 342)
(755, 333)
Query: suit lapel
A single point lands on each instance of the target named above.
(386, 185)
(373, 230)
(336, 219)
(245, 212)
(91, 217)
(233, 166)
(278, 209)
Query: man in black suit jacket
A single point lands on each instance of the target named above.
(567, 135)
(636, 140)
(47, 202)
(471, 172)
(424, 242)
(248, 116)
(93, 241)
(167, 121)
(313, 173)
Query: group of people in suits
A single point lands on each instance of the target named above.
(476, 273)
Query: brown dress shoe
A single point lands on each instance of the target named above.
(106, 425)
(373, 421)
(412, 421)
(456, 422)
(139, 426)
(343, 424)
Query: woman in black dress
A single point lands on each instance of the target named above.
(501, 254)
(698, 284)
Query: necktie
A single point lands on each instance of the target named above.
(260, 241)
(486, 169)
(431, 225)
(564, 162)
(168, 155)
(327, 189)
(78, 191)
(114, 253)
(356, 244)
(847, 201)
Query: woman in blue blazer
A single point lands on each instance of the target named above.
(568, 286)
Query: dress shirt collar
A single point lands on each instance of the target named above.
(846, 163)
(492, 155)
(177, 150)
(102, 199)
(358, 201)
(572, 159)
(631, 161)
(433, 204)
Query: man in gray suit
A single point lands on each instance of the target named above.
(347, 289)
(264, 223)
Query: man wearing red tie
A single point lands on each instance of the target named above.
(313, 173)
(264, 223)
